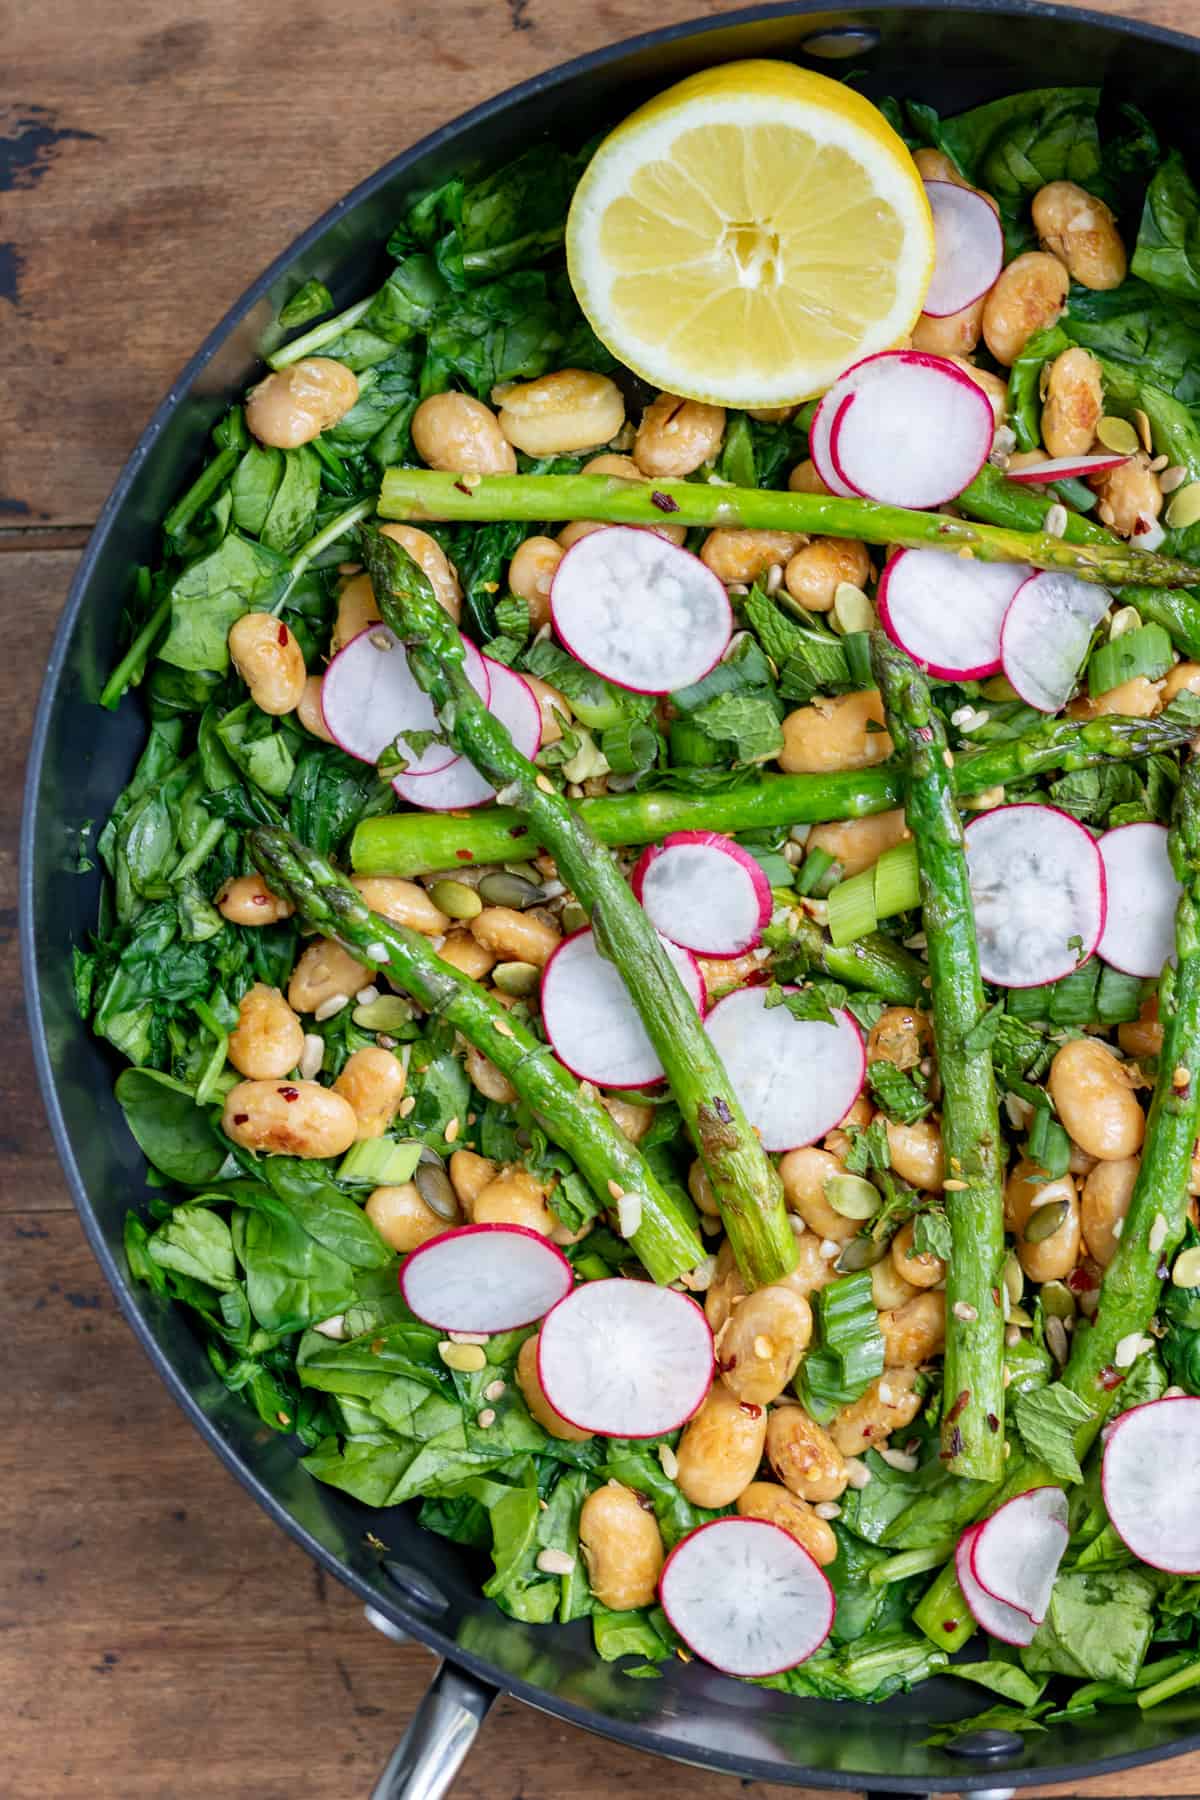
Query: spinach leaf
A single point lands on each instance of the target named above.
(258, 745)
(309, 302)
(292, 1281)
(891, 1663)
(1007, 1679)
(293, 510)
(632, 1634)
(175, 1134)
(1168, 246)
(212, 593)
(197, 1243)
(1098, 1626)
(326, 1212)
(254, 484)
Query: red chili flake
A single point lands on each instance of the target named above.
(1081, 1281)
(955, 1442)
(289, 1093)
(721, 1108)
(283, 634)
(241, 1118)
(993, 1422)
(464, 855)
(258, 899)
(751, 1411)
(518, 831)
(995, 1296)
(1110, 1378)
(463, 488)
(377, 1347)
(726, 1363)
(949, 1624)
(664, 502)
(644, 1501)
(959, 1406)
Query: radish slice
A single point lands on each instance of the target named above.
(1150, 1474)
(485, 1278)
(460, 784)
(704, 892)
(947, 612)
(968, 248)
(796, 1078)
(1007, 1623)
(914, 431)
(744, 1595)
(1060, 468)
(1038, 892)
(1016, 1553)
(625, 1358)
(822, 425)
(1139, 926)
(640, 611)
(369, 696)
(1046, 633)
(592, 1024)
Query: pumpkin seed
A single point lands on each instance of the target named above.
(456, 899)
(572, 918)
(1014, 1280)
(859, 1253)
(1117, 435)
(852, 611)
(1058, 1302)
(1044, 1221)
(507, 889)
(390, 1012)
(433, 1185)
(853, 1196)
(1126, 618)
(1186, 1270)
(516, 979)
(1184, 509)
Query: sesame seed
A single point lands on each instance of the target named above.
(503, 1027)
(328, 1008)
(897, 1459)
(312, 1056)
(965, 1311)
(857, 1473)
(485, 1418)
(452, 1130)
(555, 1562)
(827, 1509)
(948, 759)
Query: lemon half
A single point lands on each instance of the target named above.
(748, 234)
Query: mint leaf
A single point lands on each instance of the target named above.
(1047, 1421)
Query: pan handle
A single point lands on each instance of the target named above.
(442, 1730)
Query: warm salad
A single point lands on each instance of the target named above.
(655, 934)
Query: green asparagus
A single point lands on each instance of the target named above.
(419, 494)
(1157, 1212)
(745, 1181)
(973, 1412)
(1018, 508)
(666, 1239)
(418, 843)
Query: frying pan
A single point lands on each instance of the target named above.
(412, 1583)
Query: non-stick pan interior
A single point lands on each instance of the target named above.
(953, 57)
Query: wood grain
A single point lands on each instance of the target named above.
(157, 1635)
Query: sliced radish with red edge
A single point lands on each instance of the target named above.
(592, 1023)
(1038, 893)
(1063, 468)
(745, 1596)
(485, 1278)
(1150, 1475)
(968, 248)
(1016, 1553)
(796, 1078)
(704, 892)
(1045, 636)
(947, 612)
(1007, 1623)
(1139, 925)
(369, 697)
(625, 1359)
(640, 611)
(821, 426)
(460, 785)
(913, 433)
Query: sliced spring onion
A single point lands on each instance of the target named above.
(380, 1162)
(1074, 493)
(813, 870)
(1146, 651)
(891, 886)
(1071, 1001)
(1119, 997)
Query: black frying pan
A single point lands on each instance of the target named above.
(954, 56)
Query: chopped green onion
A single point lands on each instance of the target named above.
(380, 1162)
(850, 1353)
(1074, 493)
(814, 868)
(1173, 1684)
(897, 880)
(690, 747)
(1119, 997)
(857, 646)
(892, 886)
(1049, 1147)
(852, 911)
(1146, 651)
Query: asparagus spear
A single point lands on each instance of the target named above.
(1157, 1213)
(745, 1181)
(973, 1403)
(1008, 503)
(418, 843)
(429, 494)
(666, 1239)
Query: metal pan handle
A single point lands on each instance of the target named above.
(443, 1728)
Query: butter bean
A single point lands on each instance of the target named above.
(622, 1547)
(402, 1218)
(534, 1396)
(559, 414)
(373, 1081)
(297, 1118)
(247, 900)
(676, 436)
(403, 903)
(433, 562)
(269, 661)
(720, 1449)
(1107, 1192)
(768, 1500)
(857, 844)
(761, 1347)
(835, 733)
(460, 434)
(888, 1405)
(1092, 1090)
(295, 405)
(268, 1039)
(1028, 295)
(804, 1456)
(914, 1332)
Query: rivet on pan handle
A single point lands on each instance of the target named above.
(440, 1733)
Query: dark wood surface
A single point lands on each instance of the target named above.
(157, 1636)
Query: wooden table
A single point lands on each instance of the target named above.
(157, 1635)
